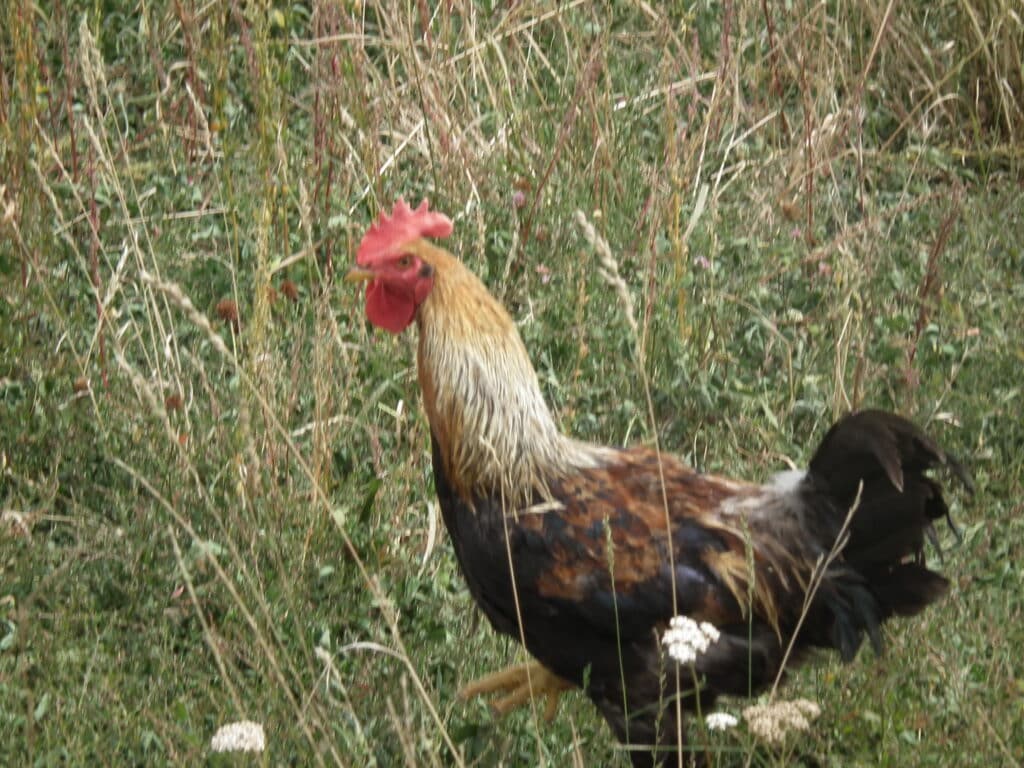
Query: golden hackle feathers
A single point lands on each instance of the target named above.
(481, 393)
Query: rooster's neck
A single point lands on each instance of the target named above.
(493, 427)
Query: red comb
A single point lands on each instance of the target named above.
(403, 225)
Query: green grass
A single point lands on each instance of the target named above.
(216, 499)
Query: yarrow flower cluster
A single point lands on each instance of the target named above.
(243, 736)
(685, 639)
(720, 721)
(772, 722)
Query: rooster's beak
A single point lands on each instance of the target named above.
(359, 275)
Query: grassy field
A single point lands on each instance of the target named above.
(215, 479)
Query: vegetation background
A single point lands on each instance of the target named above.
(214, 478)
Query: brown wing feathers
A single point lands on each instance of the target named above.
(880, 572)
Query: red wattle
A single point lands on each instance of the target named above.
(387, 309)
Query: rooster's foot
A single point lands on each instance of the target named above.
(520, 683)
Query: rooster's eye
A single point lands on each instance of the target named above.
(405, 262)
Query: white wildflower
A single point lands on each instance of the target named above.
(244, 736)
(720, 721)
(685, 639)
(771, 722)
(710, 631)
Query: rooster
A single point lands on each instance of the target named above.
(584, 553)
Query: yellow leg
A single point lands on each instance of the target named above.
(520, 683)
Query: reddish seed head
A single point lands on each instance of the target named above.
(383, 239)
(227, 310)
(290, 290)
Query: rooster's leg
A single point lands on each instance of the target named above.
(520, 683)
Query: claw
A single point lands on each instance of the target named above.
(521, 683)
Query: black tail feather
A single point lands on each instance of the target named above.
(881, 572)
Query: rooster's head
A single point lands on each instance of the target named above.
(390, 259)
